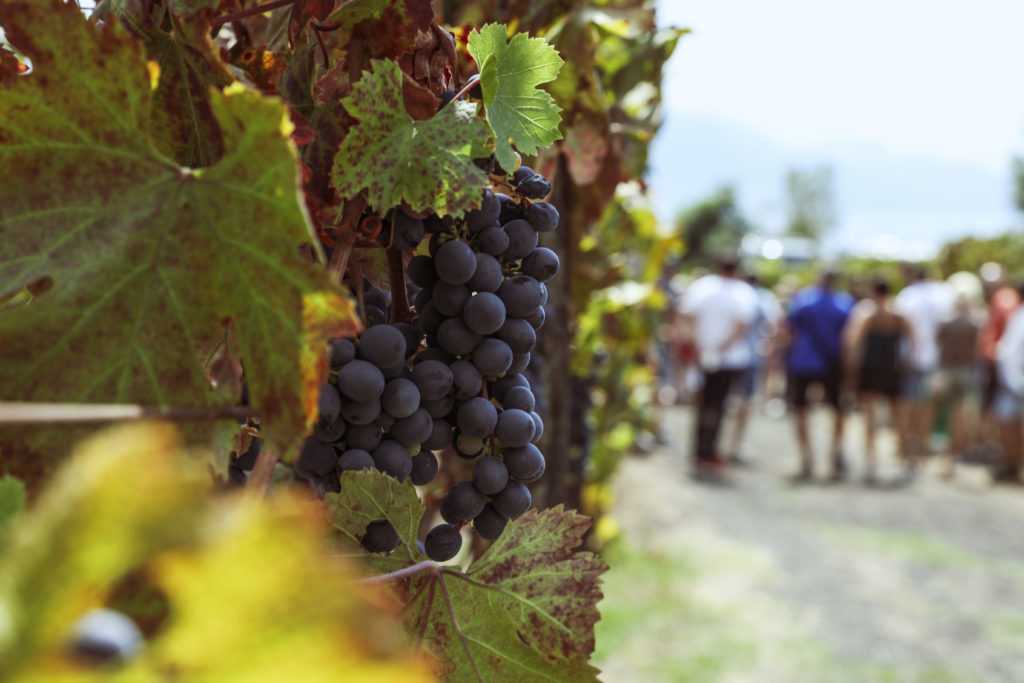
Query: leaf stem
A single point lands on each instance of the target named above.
(399, 574)
(259, 9)
(69, 413)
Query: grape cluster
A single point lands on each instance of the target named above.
(453, 378)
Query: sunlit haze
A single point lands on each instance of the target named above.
(915, 105)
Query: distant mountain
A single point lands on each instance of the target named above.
(902, 206)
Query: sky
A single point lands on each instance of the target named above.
(916, 106)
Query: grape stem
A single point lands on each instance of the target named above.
(399, 574)
(259, 9)
(396, 279)
(70, 413)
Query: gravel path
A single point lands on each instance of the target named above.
(770, 581)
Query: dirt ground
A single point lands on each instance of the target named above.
(764, 580)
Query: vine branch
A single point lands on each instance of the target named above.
(261, 472)
(399, 574)
(71, 413)
(396, 279)
(242, 14)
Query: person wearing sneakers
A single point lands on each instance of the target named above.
(815, 324)
(720, 308)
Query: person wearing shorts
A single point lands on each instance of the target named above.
(815, 323)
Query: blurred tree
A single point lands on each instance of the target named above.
(1018, 177)
(970, 253)
(811, 205)
(711, 227)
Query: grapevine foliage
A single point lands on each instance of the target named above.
(525, 608)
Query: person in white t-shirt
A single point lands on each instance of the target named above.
(1008, 406)
(926, 304)
(721, 309)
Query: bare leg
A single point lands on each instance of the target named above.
(867, 404)
(739, 428)
(1012, 442)
(803, 443)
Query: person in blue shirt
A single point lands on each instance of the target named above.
(815, 324)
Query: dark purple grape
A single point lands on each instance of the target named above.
(384, 421)
(455, 262)
(360, 413)
(413, 337)
(519, 397)
(439, 407)
(449, 299)
(455, 337)
(484, 313)
(342, 351)
(393, 458)
(492, 357)
(424, 468)
(522, 239)
(421, 271)
(490, 475)
(518, 334)
(519, 363)
(380, 537)
(331, 432)
(513, 500)
(522, 295)
(365, 437)
(514, 428)
(540, 264)
(510, 208)
(525, 463)
(316, 459)
(468, 447)
(429, 318)
(490, 523)
(464, 501)
(247, 460)
(537, 318)
(487, 277)
(499, 386)
(493, 240)
(538, 425)
(413, 430)
(442, 543)
(433, 378)
(534, 187)
(360, 381)
(521, 174)
(467, 380)
(440, 435)
(355, 459)
(477, 417)
(401, 398)
(394, 372)
(490, 209)
(374, 316)
(543, 216)
(433, 353)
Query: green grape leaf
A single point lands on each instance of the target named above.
(136, 261)
(509, 75)
(426, 164)
(526, 608)
(12, 502)
(226, 588)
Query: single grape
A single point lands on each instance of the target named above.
(490, 475)
(477, 417)
(522, 295)
(401, 398)
(361, 413)
(466, 379)
(424, 468)
(514, 428)
(484, 313)
(433, 378)
(543, 216)
(316, 459)
(492, 357)
(342, 351)
(534, 187)
(429, 319)
(487, 277)
(464, 501)
(422, 298)
(382, 345)
(413, 430)
(360, 381)
(328, 403)
(537, 318)
(442, 543)
(105, 637)
(455, 262)
(393, 458)
(365, 437)
(490, 209)
(395, 371)
(499, 386)
(455, 337)
(519, 397)
(513, 500)
(449, 299)
(490, 523)
(355, 459)
(421, 271)
(433, 353)
(380, 537)
(439, 407)
(519, 363)
(522, 239)
(493, 240)
(510, 208)
(468, 447)
(525, 463)
(331, 432)
(521, 174)
(518, 334)
(440, 435)
(540, 264)
(538, 425)
(374, 316)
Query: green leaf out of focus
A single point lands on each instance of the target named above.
(526, 608)
(12, 502)
(248, 592)
(143, 260)
(510, 72)
(426, 164)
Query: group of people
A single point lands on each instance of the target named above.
(932, 351)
